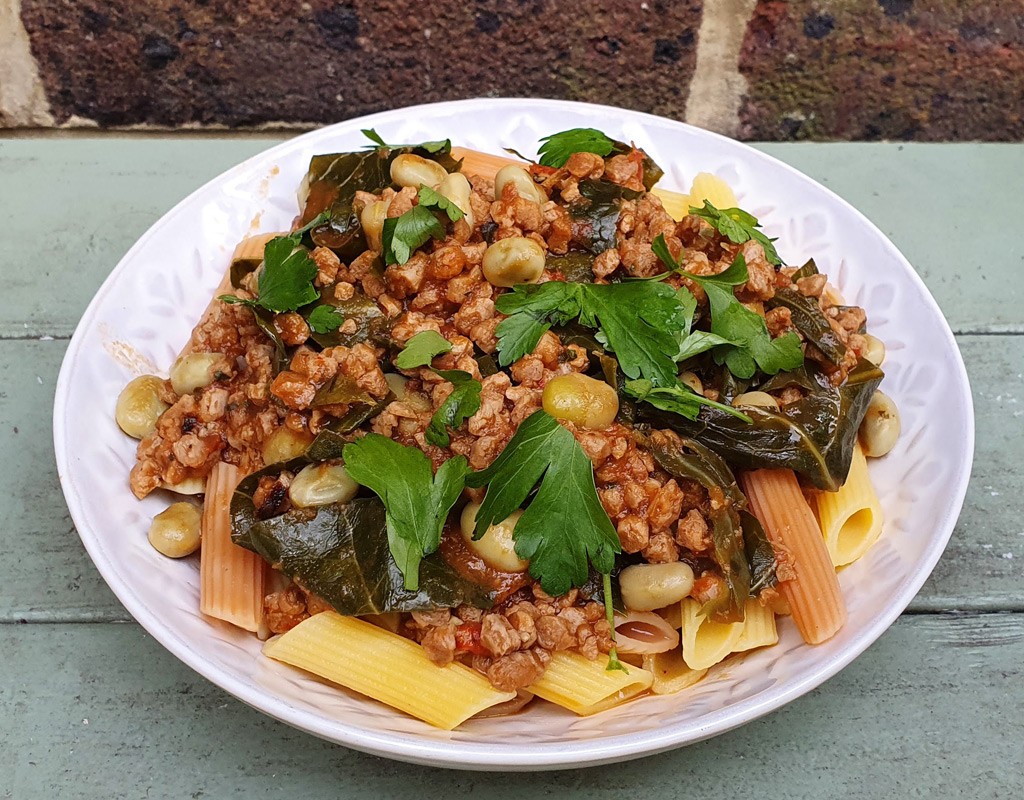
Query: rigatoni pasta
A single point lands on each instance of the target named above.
(387, 667)
(851, 519)
(813, 593)
(586, 687)
(231, 578)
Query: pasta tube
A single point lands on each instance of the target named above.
(585, 687)
(385, 666)
(486, 165)
(813, 595)
(671, 674)
(231, 578)
(758, 628)
(706, 642)
(851, 519)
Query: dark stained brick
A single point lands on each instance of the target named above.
(246, 62)
(818, 26)
(929, 70)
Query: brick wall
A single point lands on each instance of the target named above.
(758, 69)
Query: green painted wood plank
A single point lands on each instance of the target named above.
(48, 576)
(102, 711)
(83, 202)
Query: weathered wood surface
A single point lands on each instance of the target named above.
(950, 210)
(99, 710)
(933, 709)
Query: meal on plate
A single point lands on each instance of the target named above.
(480, 430)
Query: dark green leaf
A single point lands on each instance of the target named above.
(575, 266)
(595, 215)
(265, 322)
(565, 525)
(402, 235)
(371, 324)
(341, 554)
(460, 405)
(760, 554)
(440, 146)
(417, 501)
(679, 399)
(342, 388)
(332, 182)
(814, 436)
(688, 459)
(806, 271)
(811, 322)
(421, 349)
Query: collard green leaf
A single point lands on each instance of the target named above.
(595, 216)
(760, 554)
(333, 180)
(814, 436)
(342, 389)
(688, 459)
(265, 322)
(575, 266)
(808, 319)
(371, 324)
(341, 554)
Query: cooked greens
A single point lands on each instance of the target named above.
(814, 436)
(340, 552)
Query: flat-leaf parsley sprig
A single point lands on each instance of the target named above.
(565, 527)
(285, 281)
(416, 500)
(402, 235)
(464, 400)
(639, 319)
(738, 227)
(751, 346)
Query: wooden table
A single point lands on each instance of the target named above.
(90, 706)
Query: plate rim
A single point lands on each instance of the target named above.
(495, 755)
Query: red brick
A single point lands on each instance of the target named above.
(895, 69)
(253, 61)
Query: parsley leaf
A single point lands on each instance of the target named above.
(636, 318)
(460, 405)
(565, 525)
(555, 149)
(286, 281)
(416, 501)
(678, 399)
(324, 319)
(440, 146)
(402, 235)
(421, 349)
(746, 345)
(430, 199)
(738, 227)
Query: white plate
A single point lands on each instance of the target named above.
(145, 310)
